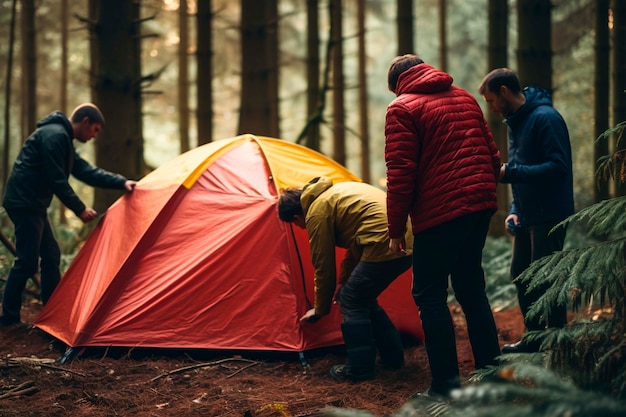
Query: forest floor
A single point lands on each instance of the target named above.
(219, 384)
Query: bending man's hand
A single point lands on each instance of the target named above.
(310, 316)
(397, 244)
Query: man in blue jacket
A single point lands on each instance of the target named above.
(539, 170)
(40, 171)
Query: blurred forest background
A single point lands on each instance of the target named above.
(174, 74)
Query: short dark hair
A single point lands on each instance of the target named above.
(88, 110)
(500, 77)
(289, 204)
(397, 66)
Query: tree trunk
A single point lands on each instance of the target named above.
(602, 96)
(64, 18)
(6, 165)
(204, 112)
(313, 74)
(183, 77)
(29, 67)
(259, 68)
(363, 95)
(443, 38)
(534, 55)
(339, 136)
(117, 91)
(619, 85)
(498, 58)
(406, 32)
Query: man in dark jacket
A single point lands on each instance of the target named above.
(40, 171)
(442, 170)
(540, 173)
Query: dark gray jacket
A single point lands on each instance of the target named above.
(44, 165)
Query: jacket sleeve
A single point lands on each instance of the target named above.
(322, 245)
(496, 158)
(94, 176)
(56, 153)
(551, 142)
(402, 151)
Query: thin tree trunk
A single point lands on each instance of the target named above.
(498, 58)
(7, 99)
(313, 73)
(443, 36)
(363, 94)
(405, 23)
(183, 77)
(602, 96)
(339, 135)
(619, 86)
(534, 55)
(63, 85)
(204, 92)
(29, 67)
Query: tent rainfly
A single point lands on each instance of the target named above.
(196, 257)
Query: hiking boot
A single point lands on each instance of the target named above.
(345, 373)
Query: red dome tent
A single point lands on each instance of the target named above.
(196, 257)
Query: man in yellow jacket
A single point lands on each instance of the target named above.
(353, 216)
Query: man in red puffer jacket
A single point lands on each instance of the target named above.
(442, 169)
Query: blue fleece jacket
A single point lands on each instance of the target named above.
(539, 166)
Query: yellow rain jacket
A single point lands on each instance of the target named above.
(350, 215)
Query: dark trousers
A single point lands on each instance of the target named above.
(453, 251)
(530, 244)
(358, 297)
(33, 239)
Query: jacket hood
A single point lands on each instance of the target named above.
(57, 117)
(313, 190)
(423, 79)
(535, 97)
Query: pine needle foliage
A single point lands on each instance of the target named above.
(591, 281)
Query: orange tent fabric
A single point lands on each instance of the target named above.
(196, 257)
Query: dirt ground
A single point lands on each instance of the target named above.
(219, 384)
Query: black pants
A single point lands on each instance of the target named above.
(530, 244)
(358, 297)
(453, 250)
(33, 239)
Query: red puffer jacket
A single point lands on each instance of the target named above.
(442, 161)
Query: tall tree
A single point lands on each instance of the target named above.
(602, 95)
(619, 80)
(7, 98)
(339, 133)
(117, 84)
(406, 31)
(364, 132)
(498, 58)
(204, 73)
(259, 112)
(183, 76)
(443, 36)
(64, 18)
(29, 67)
(534, 54)
(313, 74)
